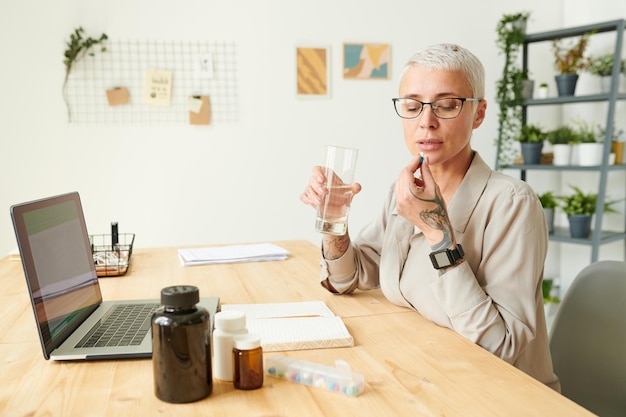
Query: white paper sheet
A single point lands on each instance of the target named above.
(232, 254)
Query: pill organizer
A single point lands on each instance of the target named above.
(338, 379)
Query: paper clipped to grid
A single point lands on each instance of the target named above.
(255, 252)
(294, 326)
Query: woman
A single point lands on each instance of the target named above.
(460, 243)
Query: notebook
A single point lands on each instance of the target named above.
(295, 325)
(64, 290)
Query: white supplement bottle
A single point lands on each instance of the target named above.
(227, 324)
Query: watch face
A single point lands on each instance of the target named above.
(442, 258)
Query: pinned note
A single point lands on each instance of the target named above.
(195, 104)
(158, 88)
(199, 110)
(118, 96)
(203, 67)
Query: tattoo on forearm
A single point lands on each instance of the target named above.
(335, 247)
(437, 218)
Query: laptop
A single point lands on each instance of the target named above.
(64, 290)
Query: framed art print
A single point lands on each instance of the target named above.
(312, 71)
(366, 61)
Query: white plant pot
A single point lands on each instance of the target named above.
(542, 92)
(605, 84)
(574, 156)
(562, 154)
(590, 154)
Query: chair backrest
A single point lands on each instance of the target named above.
(588, 339)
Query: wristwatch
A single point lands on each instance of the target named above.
(447, 257)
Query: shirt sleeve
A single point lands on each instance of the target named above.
(359, 267)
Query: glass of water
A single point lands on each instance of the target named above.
(339, 168)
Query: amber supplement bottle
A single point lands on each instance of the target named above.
(247, 362)
(181, 349)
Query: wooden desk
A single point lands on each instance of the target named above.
(411, 366)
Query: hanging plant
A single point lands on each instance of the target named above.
(511, 30)
(78, 47)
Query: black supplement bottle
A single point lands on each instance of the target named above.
(181, 349)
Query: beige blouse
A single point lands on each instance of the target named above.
(494, 298)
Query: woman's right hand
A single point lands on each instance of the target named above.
(316, 190)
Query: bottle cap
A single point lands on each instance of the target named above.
(247, 341)
(180, 296)
(230, 320)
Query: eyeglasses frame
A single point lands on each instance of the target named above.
(423, 103)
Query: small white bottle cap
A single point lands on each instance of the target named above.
(247, 341)
(230, 320)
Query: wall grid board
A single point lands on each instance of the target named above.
(125, 64)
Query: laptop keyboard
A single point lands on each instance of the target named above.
(126, 325)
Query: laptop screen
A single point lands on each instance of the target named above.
(58, 263)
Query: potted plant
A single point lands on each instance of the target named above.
(602, 66)
(531, 140)
(528, 85)
(579, 208)
(617, 142)
(590, 146)
(549, 203)
(617, 147)
(562, 138)
(511, 30)
(543, 90)
(569, 60)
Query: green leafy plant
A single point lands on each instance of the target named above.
(546, 287)
(586, 132)
(616, 134)
(77, 48)
(570, 58)
(531, 133)
(580, 203)
(510, 39)
(603, 65)
(563, 135)
(548, 200)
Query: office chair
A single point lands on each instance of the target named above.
(588, 339)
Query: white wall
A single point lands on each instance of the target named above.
(231, 182)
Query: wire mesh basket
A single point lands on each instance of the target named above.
(112, 258)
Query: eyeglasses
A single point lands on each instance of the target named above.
(444, 108)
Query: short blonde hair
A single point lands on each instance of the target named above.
(452, 57)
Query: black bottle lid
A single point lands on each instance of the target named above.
(180, 296)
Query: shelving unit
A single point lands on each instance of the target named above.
(598, 236)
